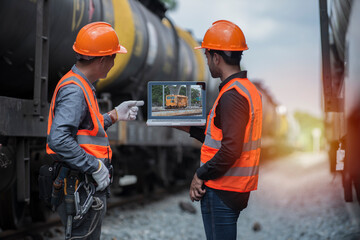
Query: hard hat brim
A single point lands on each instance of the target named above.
(198, 47)
(122, 50)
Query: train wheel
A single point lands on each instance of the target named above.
(7, 166)
(12, 211)
(357, 189)
(347, 185)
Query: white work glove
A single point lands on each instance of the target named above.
(128, 110)
(101, 176)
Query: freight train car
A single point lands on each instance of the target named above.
(176, 101)
(340, 42)
(279, 129)
(36, 50)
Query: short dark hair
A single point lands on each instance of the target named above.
(230, 57)
(85, 60)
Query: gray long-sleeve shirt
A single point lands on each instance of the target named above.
(71, 114)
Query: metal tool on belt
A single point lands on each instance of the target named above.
(81, 210)
(74, 209)
(70, 185)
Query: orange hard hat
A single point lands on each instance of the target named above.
(97, 39)
(224, 35)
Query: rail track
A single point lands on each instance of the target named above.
(32, 231)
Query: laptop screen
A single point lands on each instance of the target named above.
(176, 100)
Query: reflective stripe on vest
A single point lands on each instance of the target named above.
(250, 145)
(241, 171)
(246, 167)
(95, 141)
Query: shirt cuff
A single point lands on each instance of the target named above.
(197, 133)
(107, 121)
(201, 173)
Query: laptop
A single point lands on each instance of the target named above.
(176, 103)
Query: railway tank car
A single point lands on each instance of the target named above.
(340, 42)
(156, 49)
(36, 50)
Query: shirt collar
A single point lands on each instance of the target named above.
(77, 71)
(242, 74)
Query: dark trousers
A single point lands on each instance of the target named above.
(220, 221)
(92, 219)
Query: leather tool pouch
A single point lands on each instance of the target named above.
(47, 174)
(46, 177)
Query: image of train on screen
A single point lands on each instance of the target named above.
(176, 101)
(36, 51)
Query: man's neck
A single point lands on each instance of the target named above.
(228, 71)
(87, 71)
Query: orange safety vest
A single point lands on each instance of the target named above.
(243, 174)
(95, 142)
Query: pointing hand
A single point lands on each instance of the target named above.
(128, 110)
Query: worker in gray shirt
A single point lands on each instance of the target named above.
(76, 132)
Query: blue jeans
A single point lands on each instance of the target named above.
(220, 221)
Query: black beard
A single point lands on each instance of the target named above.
(215, 74)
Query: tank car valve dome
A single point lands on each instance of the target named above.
(97, 39)
(224, 35)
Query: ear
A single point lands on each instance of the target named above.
(216, 58)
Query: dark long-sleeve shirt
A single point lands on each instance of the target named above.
(232, 116)
(71, 114)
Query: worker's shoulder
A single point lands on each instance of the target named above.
(72, 90)
(233, 95)
(233, 101)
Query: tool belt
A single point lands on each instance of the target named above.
(52, 182)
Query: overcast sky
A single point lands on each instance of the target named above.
(283, 37)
